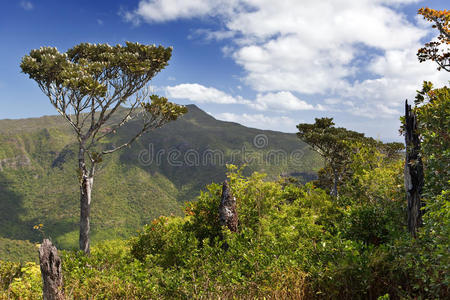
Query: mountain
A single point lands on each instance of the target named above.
(163, 169)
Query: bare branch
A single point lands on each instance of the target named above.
(124, 121)
(153, 123)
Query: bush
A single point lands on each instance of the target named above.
(293, 242)
(23, 284)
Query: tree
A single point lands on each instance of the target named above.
(88, 85)
(332, 144)
(433, 119)
(413, 170)
(430, 117)
(433, 107)
(52, 277)
(435, 51)
(433, 115)
(337, 146)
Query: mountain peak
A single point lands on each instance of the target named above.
(197, 114)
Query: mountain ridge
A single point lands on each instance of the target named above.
(38, 173)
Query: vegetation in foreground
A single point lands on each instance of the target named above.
(294, 241)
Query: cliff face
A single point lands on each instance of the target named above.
(20, 161)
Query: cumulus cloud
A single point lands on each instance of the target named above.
(27, 5)
(398, 76)
(201, 94)
(281, 101)
(349, 52)
(167, 10)
(281, 123)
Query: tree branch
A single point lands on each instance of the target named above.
(152, 124)
(440, 27)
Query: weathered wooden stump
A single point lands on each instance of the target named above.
(50, 263)
(227, 209)
(414, 177)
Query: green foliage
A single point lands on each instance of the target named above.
(166, 242)
(368, 224)
(18, 250)
(294, 241)
(45, 189)
(203, 223)
(373, 175)
(329, 141)
(87, 68)
(20, 281)
(108, 273)
(8, 271)
(433, 111)
(373, 194)
(333, 250)
(430, 251)
(335, 145)
(160, 106)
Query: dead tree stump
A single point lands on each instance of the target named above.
(414, 177)
(227, 209)
(50, 263)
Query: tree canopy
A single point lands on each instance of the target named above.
(436, 50)
(337, 146)
(89, 83)
(331, 143)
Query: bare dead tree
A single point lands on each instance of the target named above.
(414, 176)
(52, 278)
(227, 209)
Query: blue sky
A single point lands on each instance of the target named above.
(263, 63)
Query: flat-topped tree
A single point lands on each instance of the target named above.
(87, 85)
(337, 145)
(333, 144)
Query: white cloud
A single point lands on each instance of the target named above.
(358, 55)
(167, 10)
(332, 101)
(212, 35)
(27, 5)
(281, 101)
(281, 123)
(399, 75)
(200, 94)
(286, 46)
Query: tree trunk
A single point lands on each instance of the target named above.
(86, 183)
(414, 177)
(227, 209)
(335, 183)
(50, 264)
(85, 211)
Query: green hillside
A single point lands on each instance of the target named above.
(38, 181)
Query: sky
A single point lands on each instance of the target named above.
(262, 63)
